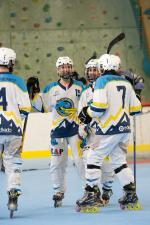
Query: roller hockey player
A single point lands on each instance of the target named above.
(114, 100)
(136, 81)
(61, 99)
(15, 105)
(87, 132)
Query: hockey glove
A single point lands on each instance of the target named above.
(139, 85)
(83, 131)
(33, 86)
(136, 81)
(84, 117)
(83, 143)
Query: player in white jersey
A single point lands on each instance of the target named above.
(114, 100)
(14, 106)
(87, 132)
(61, 99)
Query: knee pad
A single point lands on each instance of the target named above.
(118, 170)
(124, 174)
(91, 166)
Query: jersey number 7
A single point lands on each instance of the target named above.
(123, 89)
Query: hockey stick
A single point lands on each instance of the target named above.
(119, 37)
(94, 56)
(134, 149)
(24, 130)
(134, 142)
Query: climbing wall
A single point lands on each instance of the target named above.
(42, 30)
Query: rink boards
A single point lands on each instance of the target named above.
(36, 142)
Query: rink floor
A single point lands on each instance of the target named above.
(36, 206)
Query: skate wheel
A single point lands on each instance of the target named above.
(77, 208)
(122, 207)
(92, 209)
(138, 206)
(135, 206)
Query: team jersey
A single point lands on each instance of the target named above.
(86, 100)
(62, 102)
(14, 102)
(114, 100)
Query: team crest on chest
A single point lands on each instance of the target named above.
(65, 106)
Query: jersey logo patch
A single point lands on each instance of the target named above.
(65, 107)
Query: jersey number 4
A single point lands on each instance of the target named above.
(3, 102)
(123, 89)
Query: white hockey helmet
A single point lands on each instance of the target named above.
(91, 63)
(104, 62)
(115, 62)
(109, 62)
(7, 57)
(63, 60)
(91, 76)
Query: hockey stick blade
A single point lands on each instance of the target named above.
(120, 37)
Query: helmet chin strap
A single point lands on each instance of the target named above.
(10, 66)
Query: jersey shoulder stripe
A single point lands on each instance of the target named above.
(85, 88)
(78, 83)
(49, 86)
(12, 78)
(104, 80)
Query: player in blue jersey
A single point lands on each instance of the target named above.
(14, 106)
(114, 101)
(61, 99)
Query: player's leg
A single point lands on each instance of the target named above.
(13, 165)
(107, 180)
(58, 166)
(91, 143)
(107, 172)
(95, 158)
(124, 174)
(91, 201)
(74, 143)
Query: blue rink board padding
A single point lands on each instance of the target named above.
(36, 206)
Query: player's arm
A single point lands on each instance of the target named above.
(36, 97)
(23, 100)
(99, 104)
(82, 101)
(83, 129)
(135, 104)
